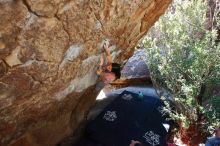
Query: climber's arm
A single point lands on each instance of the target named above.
(109, 58)
(101, 61)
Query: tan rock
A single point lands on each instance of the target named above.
(49, 51)
(3, 68)
(2, 45)
(13, 15)
(13, 59)
(46, 8)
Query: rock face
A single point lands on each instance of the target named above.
(49, 51)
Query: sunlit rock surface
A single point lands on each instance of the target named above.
(49, 51)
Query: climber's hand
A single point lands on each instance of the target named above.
(99, 71)
(105, 45)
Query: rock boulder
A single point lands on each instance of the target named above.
(49, 50)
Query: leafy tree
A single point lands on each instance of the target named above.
(184, 58)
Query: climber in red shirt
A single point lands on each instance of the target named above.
(108, 71)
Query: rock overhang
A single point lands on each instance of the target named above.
(49, 52)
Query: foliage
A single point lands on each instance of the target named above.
(184, 56)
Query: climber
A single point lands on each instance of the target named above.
(108, 71)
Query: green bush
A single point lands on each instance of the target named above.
(184, 56)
